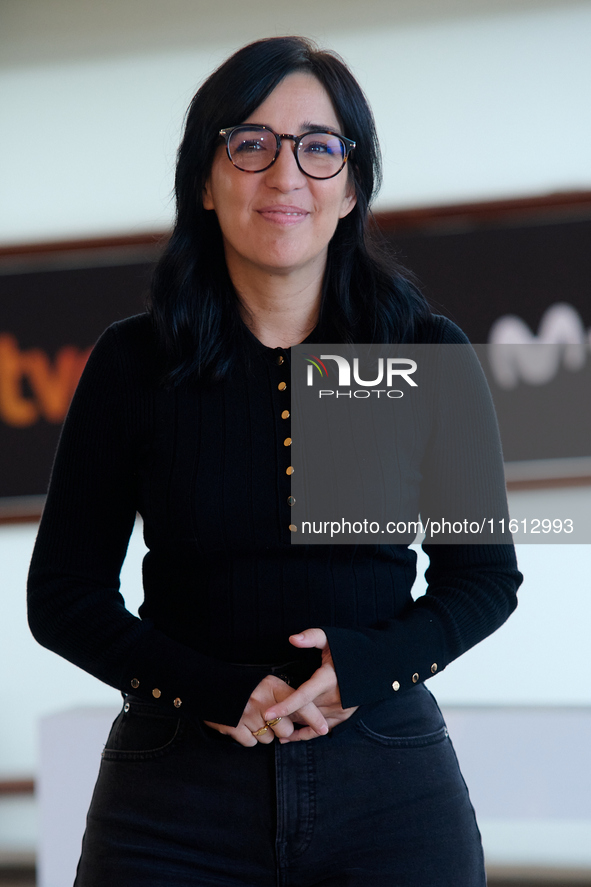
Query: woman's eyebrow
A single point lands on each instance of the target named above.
(308, 126)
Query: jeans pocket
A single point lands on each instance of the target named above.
(141, 732)
(412, 720)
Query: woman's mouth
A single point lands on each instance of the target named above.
(283, 215)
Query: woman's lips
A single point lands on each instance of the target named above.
(283, 215)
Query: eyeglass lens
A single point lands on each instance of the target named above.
(320, 154)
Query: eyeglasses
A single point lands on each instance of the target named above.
(254, 148)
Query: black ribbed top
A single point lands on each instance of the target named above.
(205, 466)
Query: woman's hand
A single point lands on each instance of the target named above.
(322, 689)
(270, 691)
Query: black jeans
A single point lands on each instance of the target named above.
(378, 801)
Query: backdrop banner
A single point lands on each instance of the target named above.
(503, 282)
(51, 316)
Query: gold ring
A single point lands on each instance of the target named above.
(259, 732)
(273, 722)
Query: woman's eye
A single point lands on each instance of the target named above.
(249, 146)
(317, 148)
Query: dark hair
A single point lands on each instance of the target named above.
(366, 297)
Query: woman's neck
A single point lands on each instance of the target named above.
(279, 309)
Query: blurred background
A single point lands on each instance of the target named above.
(483, 112)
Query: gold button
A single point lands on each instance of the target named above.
(396, 685)
(293, 528)
(178, 702)
(291, 500)
(156, 693)
(415, 678)
(290, 470)
(434, 668)
(282, 386)
(287, 442)
(135, 683)
(280, 359)
(285, 414)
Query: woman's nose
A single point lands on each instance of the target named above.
(285, 174)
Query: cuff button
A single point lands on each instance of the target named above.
(135, 683)
(396, 685)
(178, 702)
(415, 678)
(434, 668)
(156, 693)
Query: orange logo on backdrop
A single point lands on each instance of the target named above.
(52, 383)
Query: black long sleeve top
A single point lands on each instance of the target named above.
(205, 466)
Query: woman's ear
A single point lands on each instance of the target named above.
(349, 198)
(206, 195)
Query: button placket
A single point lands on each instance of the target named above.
(284, 431)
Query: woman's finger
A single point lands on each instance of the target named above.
(305, 733)
(244, 736)
(301, 735)
(263, 734)
(283, 729)
(323, 679)
(311, 637)
(313, 717)
(240, 733)
(253, 727)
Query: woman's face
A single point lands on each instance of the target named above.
(280, 221)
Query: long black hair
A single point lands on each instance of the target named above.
(366, 295)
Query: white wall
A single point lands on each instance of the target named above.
(467, 108)
(41, 682)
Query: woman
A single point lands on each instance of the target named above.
(248, 645)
